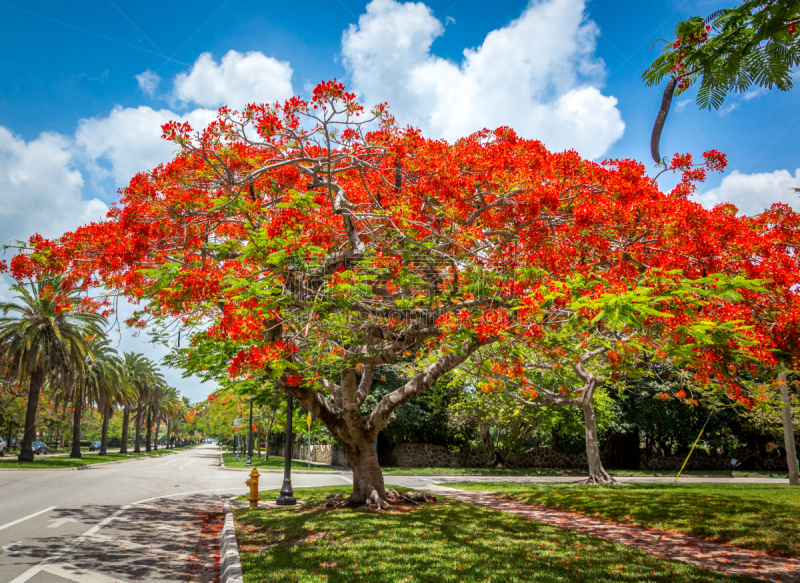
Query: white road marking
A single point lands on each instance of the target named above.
(67, 548)
(89, 533)
(27, 517)
(348, 480)
(186, 465)
(61, 522)
(79, 575)
(169, 462)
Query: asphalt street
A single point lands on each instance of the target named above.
(143, 520)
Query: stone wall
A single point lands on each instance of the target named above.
(704, 462)
(425, 455)
(331, 455)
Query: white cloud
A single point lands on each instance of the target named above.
(752, 193)
(753, 93)
(538, 75)
(40, 188)
(128, 140)
(733, 106)
(239, 79)
(148, 81)
(682, 105)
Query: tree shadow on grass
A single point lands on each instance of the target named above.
(447, 541)
(761, 517)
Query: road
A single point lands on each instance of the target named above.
(144, 520)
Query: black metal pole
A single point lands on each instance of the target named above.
(249, 461)
(287, 494)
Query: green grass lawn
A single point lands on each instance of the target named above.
(274, 463)
(88, 459)
(568, 472)
(448, 541)
(764, 517)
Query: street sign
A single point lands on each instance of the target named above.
(236, 423)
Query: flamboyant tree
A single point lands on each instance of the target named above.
(315, 243)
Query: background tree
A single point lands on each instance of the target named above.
(105, 384)
(144, 377)
(503, 426)
(45, 336)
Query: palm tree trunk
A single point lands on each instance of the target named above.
(169, 426)
(29, 435)
(104, 434)
(148, 429)
(155, 439)
(136, 448)
(126, 414)
(76, 425)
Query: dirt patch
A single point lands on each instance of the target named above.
(328, 565)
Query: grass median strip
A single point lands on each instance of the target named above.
(274, 463)
(60, 462)
(762, 517)
(444, 541)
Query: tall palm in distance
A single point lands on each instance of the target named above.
(106, 385)
(145, 378)
(43, 337)
(169, 408)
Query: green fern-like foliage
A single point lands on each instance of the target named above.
(756, 43)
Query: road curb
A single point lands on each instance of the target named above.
(230, 566)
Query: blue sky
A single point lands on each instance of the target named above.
(80, 108)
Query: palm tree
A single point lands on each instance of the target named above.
(144, 377)
(105, 383)
(46, 338)
(170, 407)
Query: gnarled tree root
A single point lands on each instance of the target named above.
(599, 480)
(393, 497)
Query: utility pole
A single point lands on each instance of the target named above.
(249, 461)
(788, 431)
(287, 494)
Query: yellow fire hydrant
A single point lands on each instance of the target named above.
(253, 483)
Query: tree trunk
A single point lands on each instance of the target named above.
(126, 417)
(148, 431)
(597, 473)
(29, 435)
(367, 475)
(136, 447)
(155, 439)
(104, 434)
(788, 431)
(76, 424)
(169, 427)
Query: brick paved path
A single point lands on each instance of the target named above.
(719, 557)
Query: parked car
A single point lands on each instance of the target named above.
(2, 447)
(95, 446)
(39, 447)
